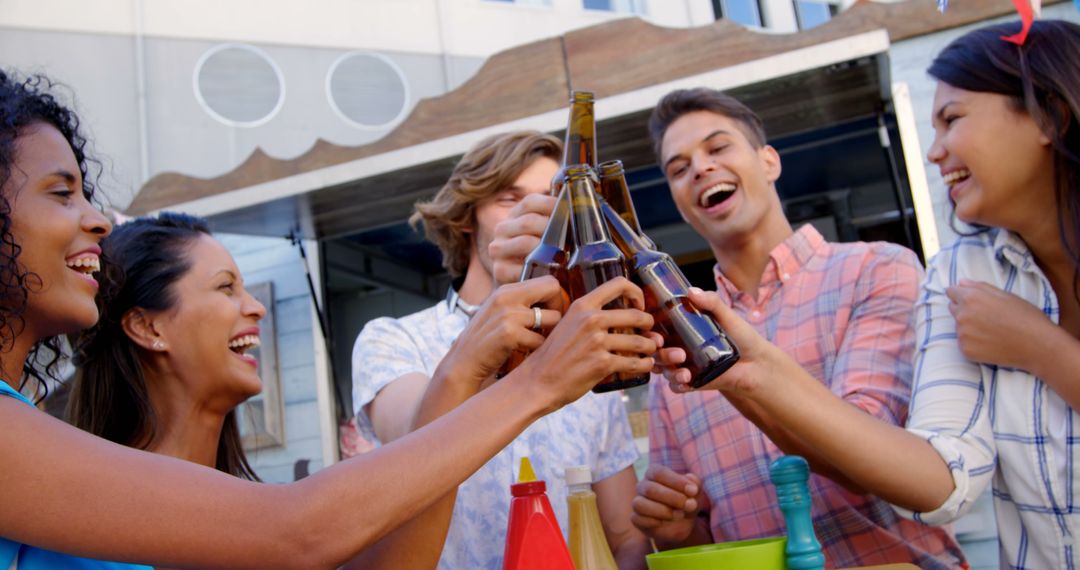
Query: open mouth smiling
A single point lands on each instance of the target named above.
(716, 195)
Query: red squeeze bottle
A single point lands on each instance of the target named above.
(533, 539)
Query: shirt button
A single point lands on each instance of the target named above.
(756, 314)
(785, 277)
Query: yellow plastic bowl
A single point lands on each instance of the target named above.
(759, 554)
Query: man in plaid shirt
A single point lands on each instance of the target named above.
(842, 312)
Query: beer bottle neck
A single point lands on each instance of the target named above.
(585, 214)
(614, 190)
(629, 241)
(580, 147)
(555, 233)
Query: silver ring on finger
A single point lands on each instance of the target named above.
(537, 323)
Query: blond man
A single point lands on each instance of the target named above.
(393, 385)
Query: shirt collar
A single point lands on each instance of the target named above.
(785, 260)
(455, 304)
(1010, 248)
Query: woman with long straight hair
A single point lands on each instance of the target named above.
(67, 491)
(179, 396)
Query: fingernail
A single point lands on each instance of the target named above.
(696, 289)
(691, 490)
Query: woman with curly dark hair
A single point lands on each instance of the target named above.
(67, 491)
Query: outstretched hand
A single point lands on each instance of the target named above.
(581, 350)
(756, 354)
(504, 323)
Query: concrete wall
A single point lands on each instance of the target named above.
(470, 28)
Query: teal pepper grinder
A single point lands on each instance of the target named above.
(789, 475)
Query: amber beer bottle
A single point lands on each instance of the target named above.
(709, 352)
(596, 259)
(580, 145)
(616, 193)
(549, 257)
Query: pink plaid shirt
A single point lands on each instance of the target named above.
(844, 312)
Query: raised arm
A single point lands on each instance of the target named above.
(66, 490)
(500, 325)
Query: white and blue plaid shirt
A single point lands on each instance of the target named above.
(994, 424)
(592, 431)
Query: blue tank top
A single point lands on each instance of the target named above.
(32, 558)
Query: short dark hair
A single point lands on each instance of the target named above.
(683, 101)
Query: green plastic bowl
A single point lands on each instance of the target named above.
(759, 554)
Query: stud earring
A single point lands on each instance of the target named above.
(158, 345)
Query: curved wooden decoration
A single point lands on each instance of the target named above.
(610, 58)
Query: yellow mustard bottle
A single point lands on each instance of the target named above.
(588, 545)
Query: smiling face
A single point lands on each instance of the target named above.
(535, 179)
(58, 232)
(721, 183)
(996, 162)
(213, 322)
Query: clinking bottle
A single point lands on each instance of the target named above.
(596, 260)
(709, 352)
(616, 193)
(548, 258)
(580, 144)
(588, 545)
(533, 539)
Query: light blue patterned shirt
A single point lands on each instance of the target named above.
(592, 431)
(996, 425)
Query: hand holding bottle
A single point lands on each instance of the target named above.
(519, 234)
(504, 323)
(758, 357)
(581, 351)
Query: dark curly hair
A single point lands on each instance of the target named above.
(109, 397)
(25, 101)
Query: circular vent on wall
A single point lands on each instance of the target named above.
(367, 90)
(239, 85)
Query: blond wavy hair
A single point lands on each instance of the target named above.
(491, 165)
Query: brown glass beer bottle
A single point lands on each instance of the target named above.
(549, 257)
(580, 144)
(616, 193)
(709, 352)
(596, 259)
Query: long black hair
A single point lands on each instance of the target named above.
(1042, 79)
(110, 397)
(25, 102)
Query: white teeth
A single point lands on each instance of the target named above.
(247, 341)
(722, 187)
(956, 176)
(85, 264)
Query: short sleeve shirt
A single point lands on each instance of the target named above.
(592, 431)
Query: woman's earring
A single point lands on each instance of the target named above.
(158, 345)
